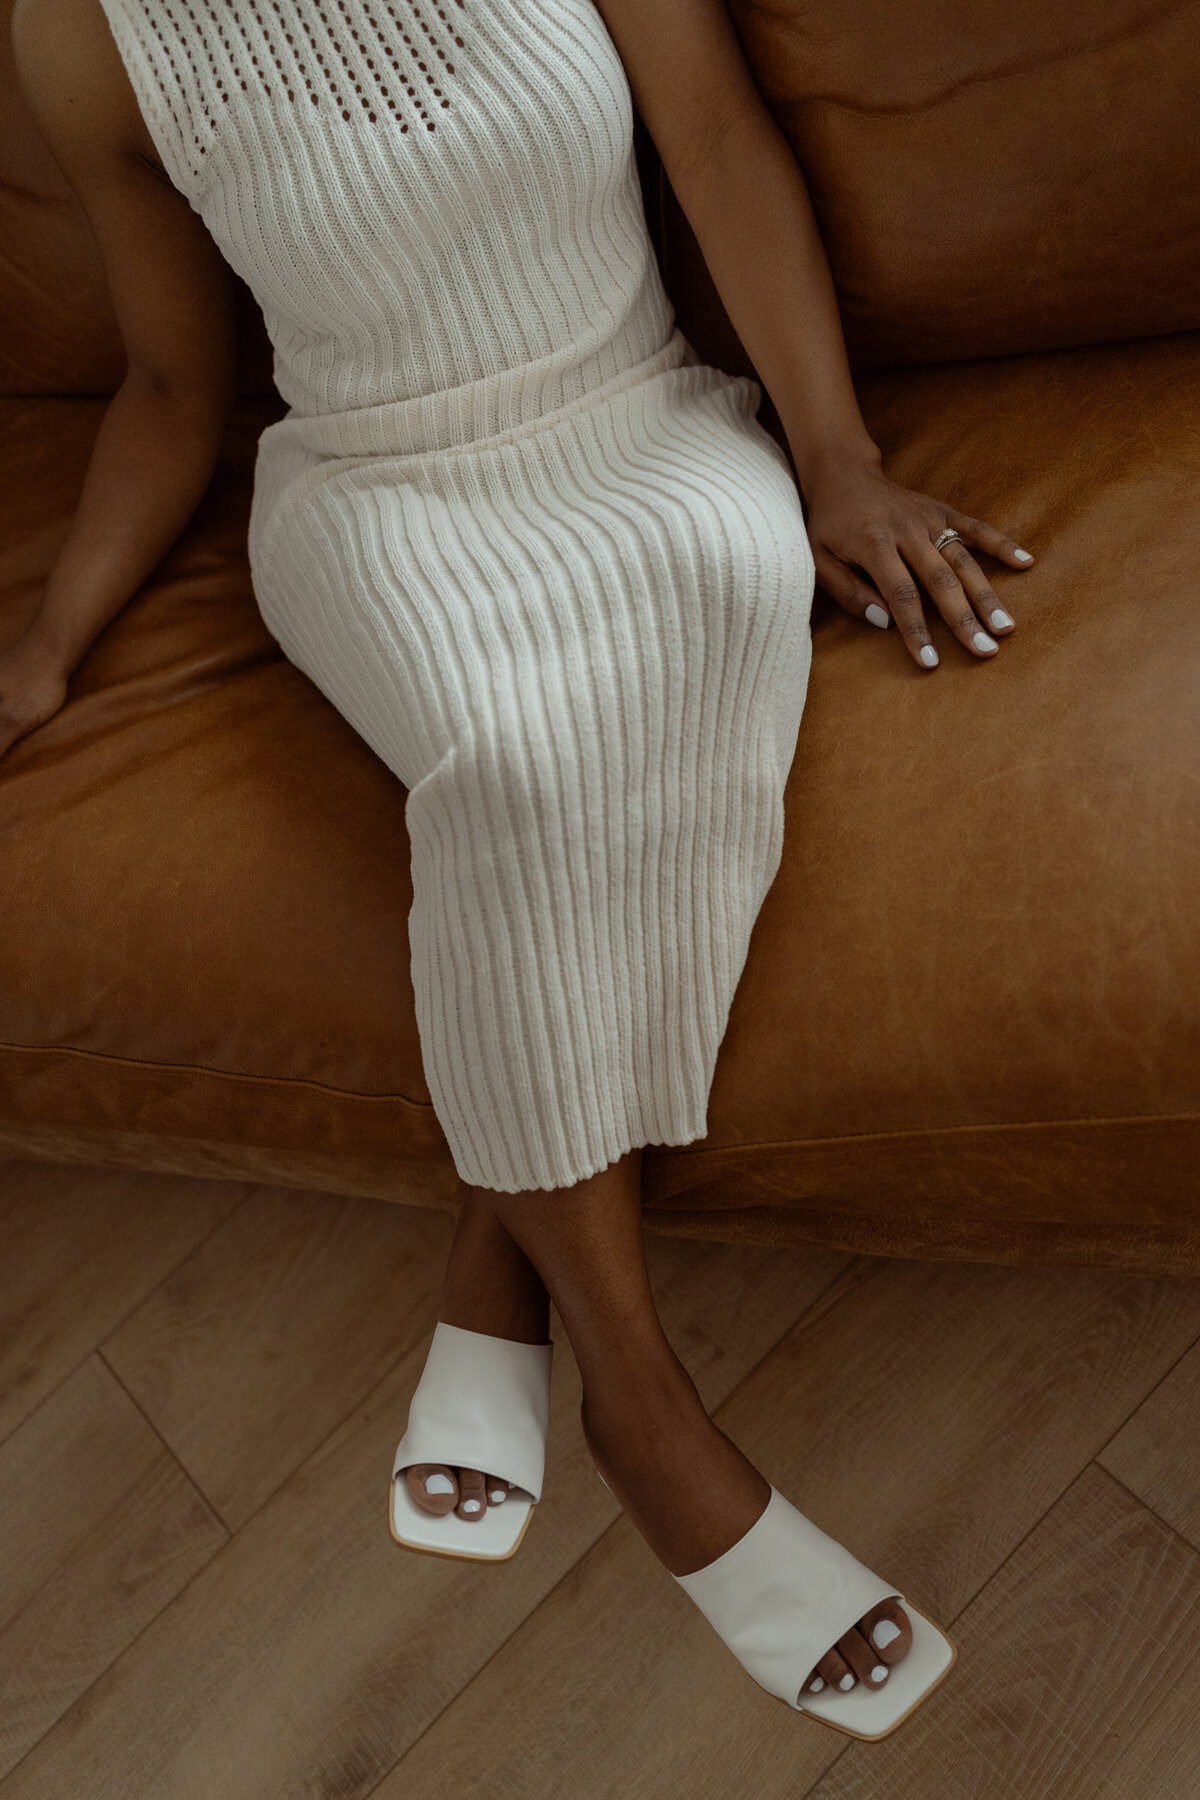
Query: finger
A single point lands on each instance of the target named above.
(472, 1494)
(982, 536)
(977, 587)
(432, 1487)
(497, 1491)
(946, 592)
(885, 566)
(853, 593)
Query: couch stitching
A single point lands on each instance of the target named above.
(673, 1151)
(135, 1062)
(885, 109)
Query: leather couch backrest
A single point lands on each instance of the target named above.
(990, 176)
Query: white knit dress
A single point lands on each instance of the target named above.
(545, 562)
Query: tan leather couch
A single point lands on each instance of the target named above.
(967, 1026)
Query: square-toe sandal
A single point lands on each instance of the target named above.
(785, 1593)
(481, 1403)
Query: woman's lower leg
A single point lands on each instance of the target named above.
(687, 1488)
(490, 1284)
(646, 1425)
(691, 1492)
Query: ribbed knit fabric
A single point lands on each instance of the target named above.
(544, 560)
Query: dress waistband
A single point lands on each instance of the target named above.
(463, 418)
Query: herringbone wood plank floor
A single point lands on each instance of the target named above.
(201, 1387)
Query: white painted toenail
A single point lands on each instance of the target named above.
(883, 1633)
(438, 1484)
(878, 1673)
(847, 1681)
(498, 1495)
(818, 1683)
(471, 1505)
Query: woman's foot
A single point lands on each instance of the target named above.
(692, 1494)
(490, 1286)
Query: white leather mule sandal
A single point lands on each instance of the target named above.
(783, 1595)
(481, 1403)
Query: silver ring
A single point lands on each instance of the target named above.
(945, 537)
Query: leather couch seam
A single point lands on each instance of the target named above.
(928, 1131)
(135, 1062)
(669, 1150)
(865, 108)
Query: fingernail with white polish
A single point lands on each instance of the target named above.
(883, 1633)
(878, 1672)
(1024, 555)
(877, 616)
(929, 656)
(817, 1684)
(982, 641)
(438, 1484)
(497, 1495)
(471, 1505)
(1000, 619)
(847, 1681)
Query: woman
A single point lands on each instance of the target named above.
(552, 569)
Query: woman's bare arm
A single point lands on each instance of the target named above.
(172, 292)
(744, 195)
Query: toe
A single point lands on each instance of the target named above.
(472, 1494)
(497, 1490)
(833, 1671)
(433, 1487)
(866, 1662)
(859, 1657)
(887, 1628)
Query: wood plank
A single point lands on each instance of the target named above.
(101, 1530)
(1076, 1677)
(311, 1652)
(81, 1247)
(247, 1357)
(1156, 1453)
(926, 1415)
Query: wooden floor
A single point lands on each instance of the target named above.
(201, 1389)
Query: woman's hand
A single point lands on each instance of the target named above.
(872, 543)
(33, 686)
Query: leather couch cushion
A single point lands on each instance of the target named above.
(971, 989)
(988, 178)
(203, 870)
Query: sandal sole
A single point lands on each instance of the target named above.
(929, 1648)
(427, 1523)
